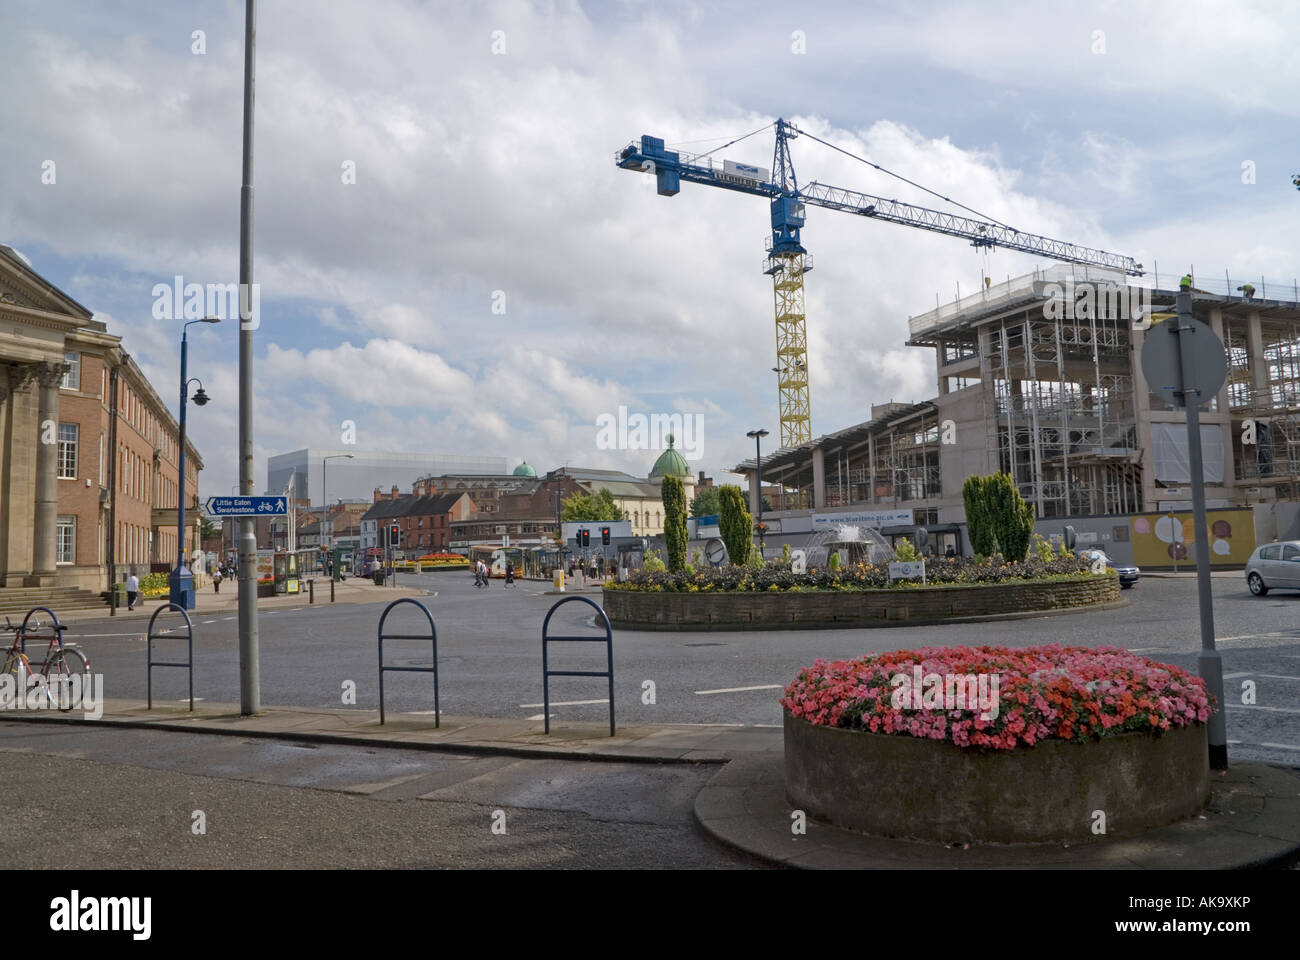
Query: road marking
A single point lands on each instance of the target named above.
(1234, 676)
(206, 622)
(1256, 706)
(769, 726)
(564, 703)
(540, 716)
(1270, 676)
(422, 713)
(766, 686)
(1143, 649)
(83, 636)
(187, 699)
(1275, 746)
(227, 618)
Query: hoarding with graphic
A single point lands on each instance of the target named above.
(1168, 539)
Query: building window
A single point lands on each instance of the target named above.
(68, 451)
(66, 533)
(101, 459)
(72, 376)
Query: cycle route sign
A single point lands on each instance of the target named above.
(247, 506)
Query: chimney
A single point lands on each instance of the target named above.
(394, 496)
(379, 494)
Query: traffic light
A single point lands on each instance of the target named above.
(394, 535)
(584, 536)
(604, 536)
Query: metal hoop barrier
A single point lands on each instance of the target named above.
(432, 636)
(22, 635)
(547, 673)
(188, 665)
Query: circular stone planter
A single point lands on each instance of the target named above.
(791, 610)
(907, 787)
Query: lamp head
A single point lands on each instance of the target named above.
(200, 398)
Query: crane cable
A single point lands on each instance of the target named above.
(899, 176)
(700, 156)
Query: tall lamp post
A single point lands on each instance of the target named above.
(325, 490)
(758, 436)
(181, 582)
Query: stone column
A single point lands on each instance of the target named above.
(49, 376)
(19, 440)
(819, 478)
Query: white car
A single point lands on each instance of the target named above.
(1274, 566)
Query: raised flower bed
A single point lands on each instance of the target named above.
(856, 595)
(1059, 743)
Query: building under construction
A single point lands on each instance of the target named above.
(1040, 377)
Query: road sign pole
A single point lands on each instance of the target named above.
(1210, 662)
(250, 697)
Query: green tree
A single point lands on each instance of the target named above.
(998, 518)
(707, 502)
(208, 530)
(675, 535)
(591, 508)
(736, 524)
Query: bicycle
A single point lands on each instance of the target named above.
(61, 660)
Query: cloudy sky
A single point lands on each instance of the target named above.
(483, 135)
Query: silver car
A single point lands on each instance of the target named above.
(1274, 566)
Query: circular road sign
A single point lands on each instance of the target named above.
(1206, 369)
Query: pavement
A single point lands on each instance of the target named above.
(1253, 819)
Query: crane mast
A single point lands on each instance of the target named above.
(788, 261)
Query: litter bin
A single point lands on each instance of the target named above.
(559, 580)
(378, 576)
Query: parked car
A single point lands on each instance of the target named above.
(1127, 575)
(1274, 566)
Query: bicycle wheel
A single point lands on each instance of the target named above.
(59, 670)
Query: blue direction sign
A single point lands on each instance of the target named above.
(247, 506)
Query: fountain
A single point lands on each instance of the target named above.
(854, 544)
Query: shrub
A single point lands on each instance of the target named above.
(1043, 548)
(654, 575)
(1042, 693)
(675, 533)
(736, 524)
(997, 517)
(904, 550)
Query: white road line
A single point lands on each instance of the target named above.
(766, 686)
(1234, 676)
(187, 699)
(1280, 746)
(540, 716)
(1256, 706)
(422, 713)
(206, 622)
(84, 636)
(564, 703)
(1144, 649)
(769, 726)
(1270, 676)
(227, 618)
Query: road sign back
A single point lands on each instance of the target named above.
(1162, 365)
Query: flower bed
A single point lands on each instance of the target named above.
(1071, 744)
(859, 576)
(1067, 693)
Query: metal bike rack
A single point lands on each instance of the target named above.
(432, 635)
(547, 673)
(188, 665)
(58, 627)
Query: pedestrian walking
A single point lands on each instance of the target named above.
(510, 574)
(132, 589)
(216, 580)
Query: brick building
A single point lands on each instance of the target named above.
(425, 521)
(88, 450)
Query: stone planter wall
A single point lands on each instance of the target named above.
(898, 786)
(849, 608)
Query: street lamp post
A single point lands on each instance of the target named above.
(325, 490)
(181, 582)
(758, 436)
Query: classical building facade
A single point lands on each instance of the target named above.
(88, 450)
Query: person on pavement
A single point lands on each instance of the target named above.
(132, 590)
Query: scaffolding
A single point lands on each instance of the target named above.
(1264, 398)
(1058, 396)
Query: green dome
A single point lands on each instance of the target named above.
(524, 470)
(670, 463)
